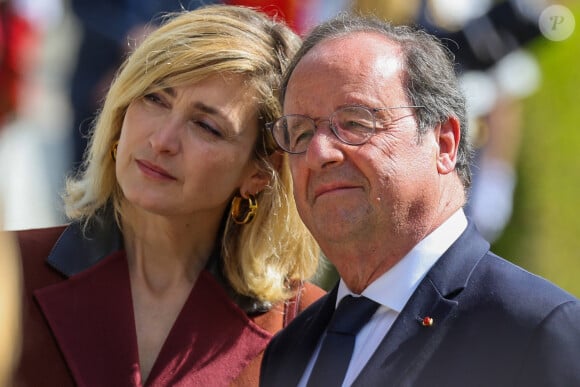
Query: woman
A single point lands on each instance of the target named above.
(159, 280)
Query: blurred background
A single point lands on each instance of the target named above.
(518, 61)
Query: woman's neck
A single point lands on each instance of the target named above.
(164, 252)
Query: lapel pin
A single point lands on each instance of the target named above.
(427, 321)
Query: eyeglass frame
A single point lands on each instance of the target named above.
(270, 125)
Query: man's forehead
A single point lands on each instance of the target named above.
(359, 41)
(361, 50)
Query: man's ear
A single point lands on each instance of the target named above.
(447, 136)
(260, 178)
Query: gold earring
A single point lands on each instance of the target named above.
(244, 210)
(114, 150)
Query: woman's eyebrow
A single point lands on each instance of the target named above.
(211, 110)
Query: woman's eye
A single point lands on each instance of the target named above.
(208, 128)
(153, 97)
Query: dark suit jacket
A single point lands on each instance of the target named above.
(79, 326)
(494, 325)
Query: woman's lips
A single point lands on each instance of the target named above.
(154, 171)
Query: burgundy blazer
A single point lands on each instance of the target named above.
(79, 324)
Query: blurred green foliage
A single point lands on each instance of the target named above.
(543, 235)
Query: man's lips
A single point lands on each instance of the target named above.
(330, 188)
(154, 170)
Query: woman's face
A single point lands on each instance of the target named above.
(185, 151)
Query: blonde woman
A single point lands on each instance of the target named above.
(185, 253)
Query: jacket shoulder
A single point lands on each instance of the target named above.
(277, 318)
(34, 247)
(38, 242)
(495, 275)
(310, 293)
(283, 313)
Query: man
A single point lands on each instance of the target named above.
(375, 126)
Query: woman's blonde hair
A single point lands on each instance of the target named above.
(261, 259)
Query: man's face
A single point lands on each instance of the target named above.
(386, 188)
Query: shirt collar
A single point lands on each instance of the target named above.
(394, 288)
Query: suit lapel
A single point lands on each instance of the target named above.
(91, 316)
(211, 342)
(305, 344)
(409, 344)
(408, 337)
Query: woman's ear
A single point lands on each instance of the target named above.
(447, 136)
(261, 178)
(276, 159)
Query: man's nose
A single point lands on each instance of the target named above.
(324, 148)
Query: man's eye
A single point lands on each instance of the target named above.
(302, 137)
(356, 125)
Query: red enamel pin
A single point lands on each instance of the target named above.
(427, 321)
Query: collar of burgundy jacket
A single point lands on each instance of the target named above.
(96, 241)
(102, 237)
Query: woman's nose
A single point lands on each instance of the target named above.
(166, 138)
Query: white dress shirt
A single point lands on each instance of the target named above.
(392, 290)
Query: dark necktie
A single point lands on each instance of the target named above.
(336, 349)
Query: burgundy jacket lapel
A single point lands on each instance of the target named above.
(211, 342)
(91, 316)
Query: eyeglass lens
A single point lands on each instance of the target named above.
(352, 125)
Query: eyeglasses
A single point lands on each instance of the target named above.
(353, 125)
